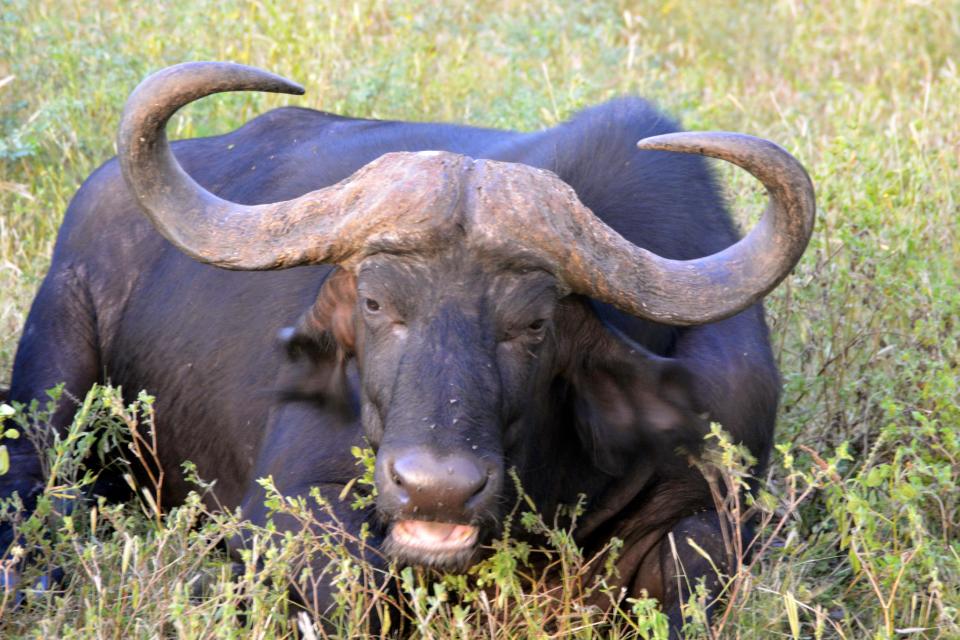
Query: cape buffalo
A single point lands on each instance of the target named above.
(465, 300)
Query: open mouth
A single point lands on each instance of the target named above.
(433, 544)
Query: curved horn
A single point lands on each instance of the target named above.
(527, 211)
(720, 285)
(328, 225)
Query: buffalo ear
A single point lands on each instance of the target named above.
(316, 347)
(320, 344)
(633, 405)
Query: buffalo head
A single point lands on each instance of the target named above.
(463, 295)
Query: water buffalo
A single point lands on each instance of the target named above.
(465, 300)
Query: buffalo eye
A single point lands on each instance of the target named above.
(372, 305)
(536, 331)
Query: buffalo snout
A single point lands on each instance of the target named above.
(420, 483)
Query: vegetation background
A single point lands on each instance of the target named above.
(864, 504)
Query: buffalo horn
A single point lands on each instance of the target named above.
(687, 292)
(397, 201)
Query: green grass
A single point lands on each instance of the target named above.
(866, 93)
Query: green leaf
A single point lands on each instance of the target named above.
(906, 492)
(4, 460)
(877, 475)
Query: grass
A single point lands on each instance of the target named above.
(864, 506)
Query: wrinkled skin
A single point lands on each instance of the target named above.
(447, 360)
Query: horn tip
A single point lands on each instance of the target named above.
(699, 141)
(285, 85)
(676, 141)
(663, 142)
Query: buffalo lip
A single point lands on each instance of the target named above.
(434, 537)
